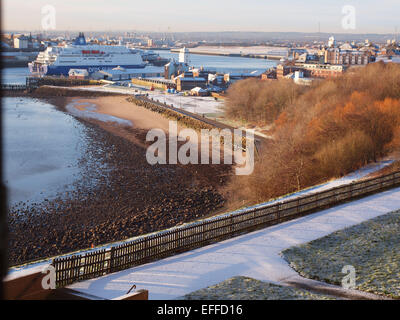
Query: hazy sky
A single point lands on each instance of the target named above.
(372, 16)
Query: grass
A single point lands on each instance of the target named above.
(372, 248)
(243, 288)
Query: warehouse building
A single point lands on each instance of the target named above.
(121, 74)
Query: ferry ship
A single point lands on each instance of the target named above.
(80, 55)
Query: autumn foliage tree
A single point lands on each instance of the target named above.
(260, 102)
(325, 131)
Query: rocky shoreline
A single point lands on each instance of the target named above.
(121, 197)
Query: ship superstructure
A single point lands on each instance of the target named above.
(80, 55)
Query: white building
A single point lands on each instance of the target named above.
(78, 73)
(298, 78)
(332, 42)
(121, 74)
(184, 56)
(21, 42)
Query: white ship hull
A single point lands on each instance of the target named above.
(59, 60)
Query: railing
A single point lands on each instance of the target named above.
(199, 234)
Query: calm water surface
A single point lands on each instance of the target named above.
(222, 63)
(42, 149)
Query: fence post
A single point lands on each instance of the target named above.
(111, 263)
(278, 214)
(351, 190)
(146, 248)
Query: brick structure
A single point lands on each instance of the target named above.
(323, 70)
(346, 57)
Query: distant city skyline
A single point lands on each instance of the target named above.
(183, 16)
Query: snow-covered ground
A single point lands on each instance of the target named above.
(255, 255)
(359, 174)
(199, 105)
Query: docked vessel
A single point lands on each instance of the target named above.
(80, 55)
(154, 58)
(151, 57)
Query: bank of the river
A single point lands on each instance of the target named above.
(119, 196)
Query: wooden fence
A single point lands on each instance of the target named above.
(13, 87)
(163, 244)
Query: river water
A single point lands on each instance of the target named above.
(15, 75)
(222, 63)
(43, 146)
(42, 150)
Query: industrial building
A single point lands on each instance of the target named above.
(120, 74)
(21, 42)
(347, 57)
(199, 92)
(185, 83)
(173, 69)
(78, 74)
(233, 77)
(323, 70)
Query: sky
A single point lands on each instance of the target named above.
(371, 16)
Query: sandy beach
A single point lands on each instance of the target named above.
(119, 107)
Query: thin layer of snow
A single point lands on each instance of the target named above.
(255, 255)
(200, 105)
(359, 174)
(26, 272)
(352, 177)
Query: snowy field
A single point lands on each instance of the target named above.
(200, 105)
(255, 255)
